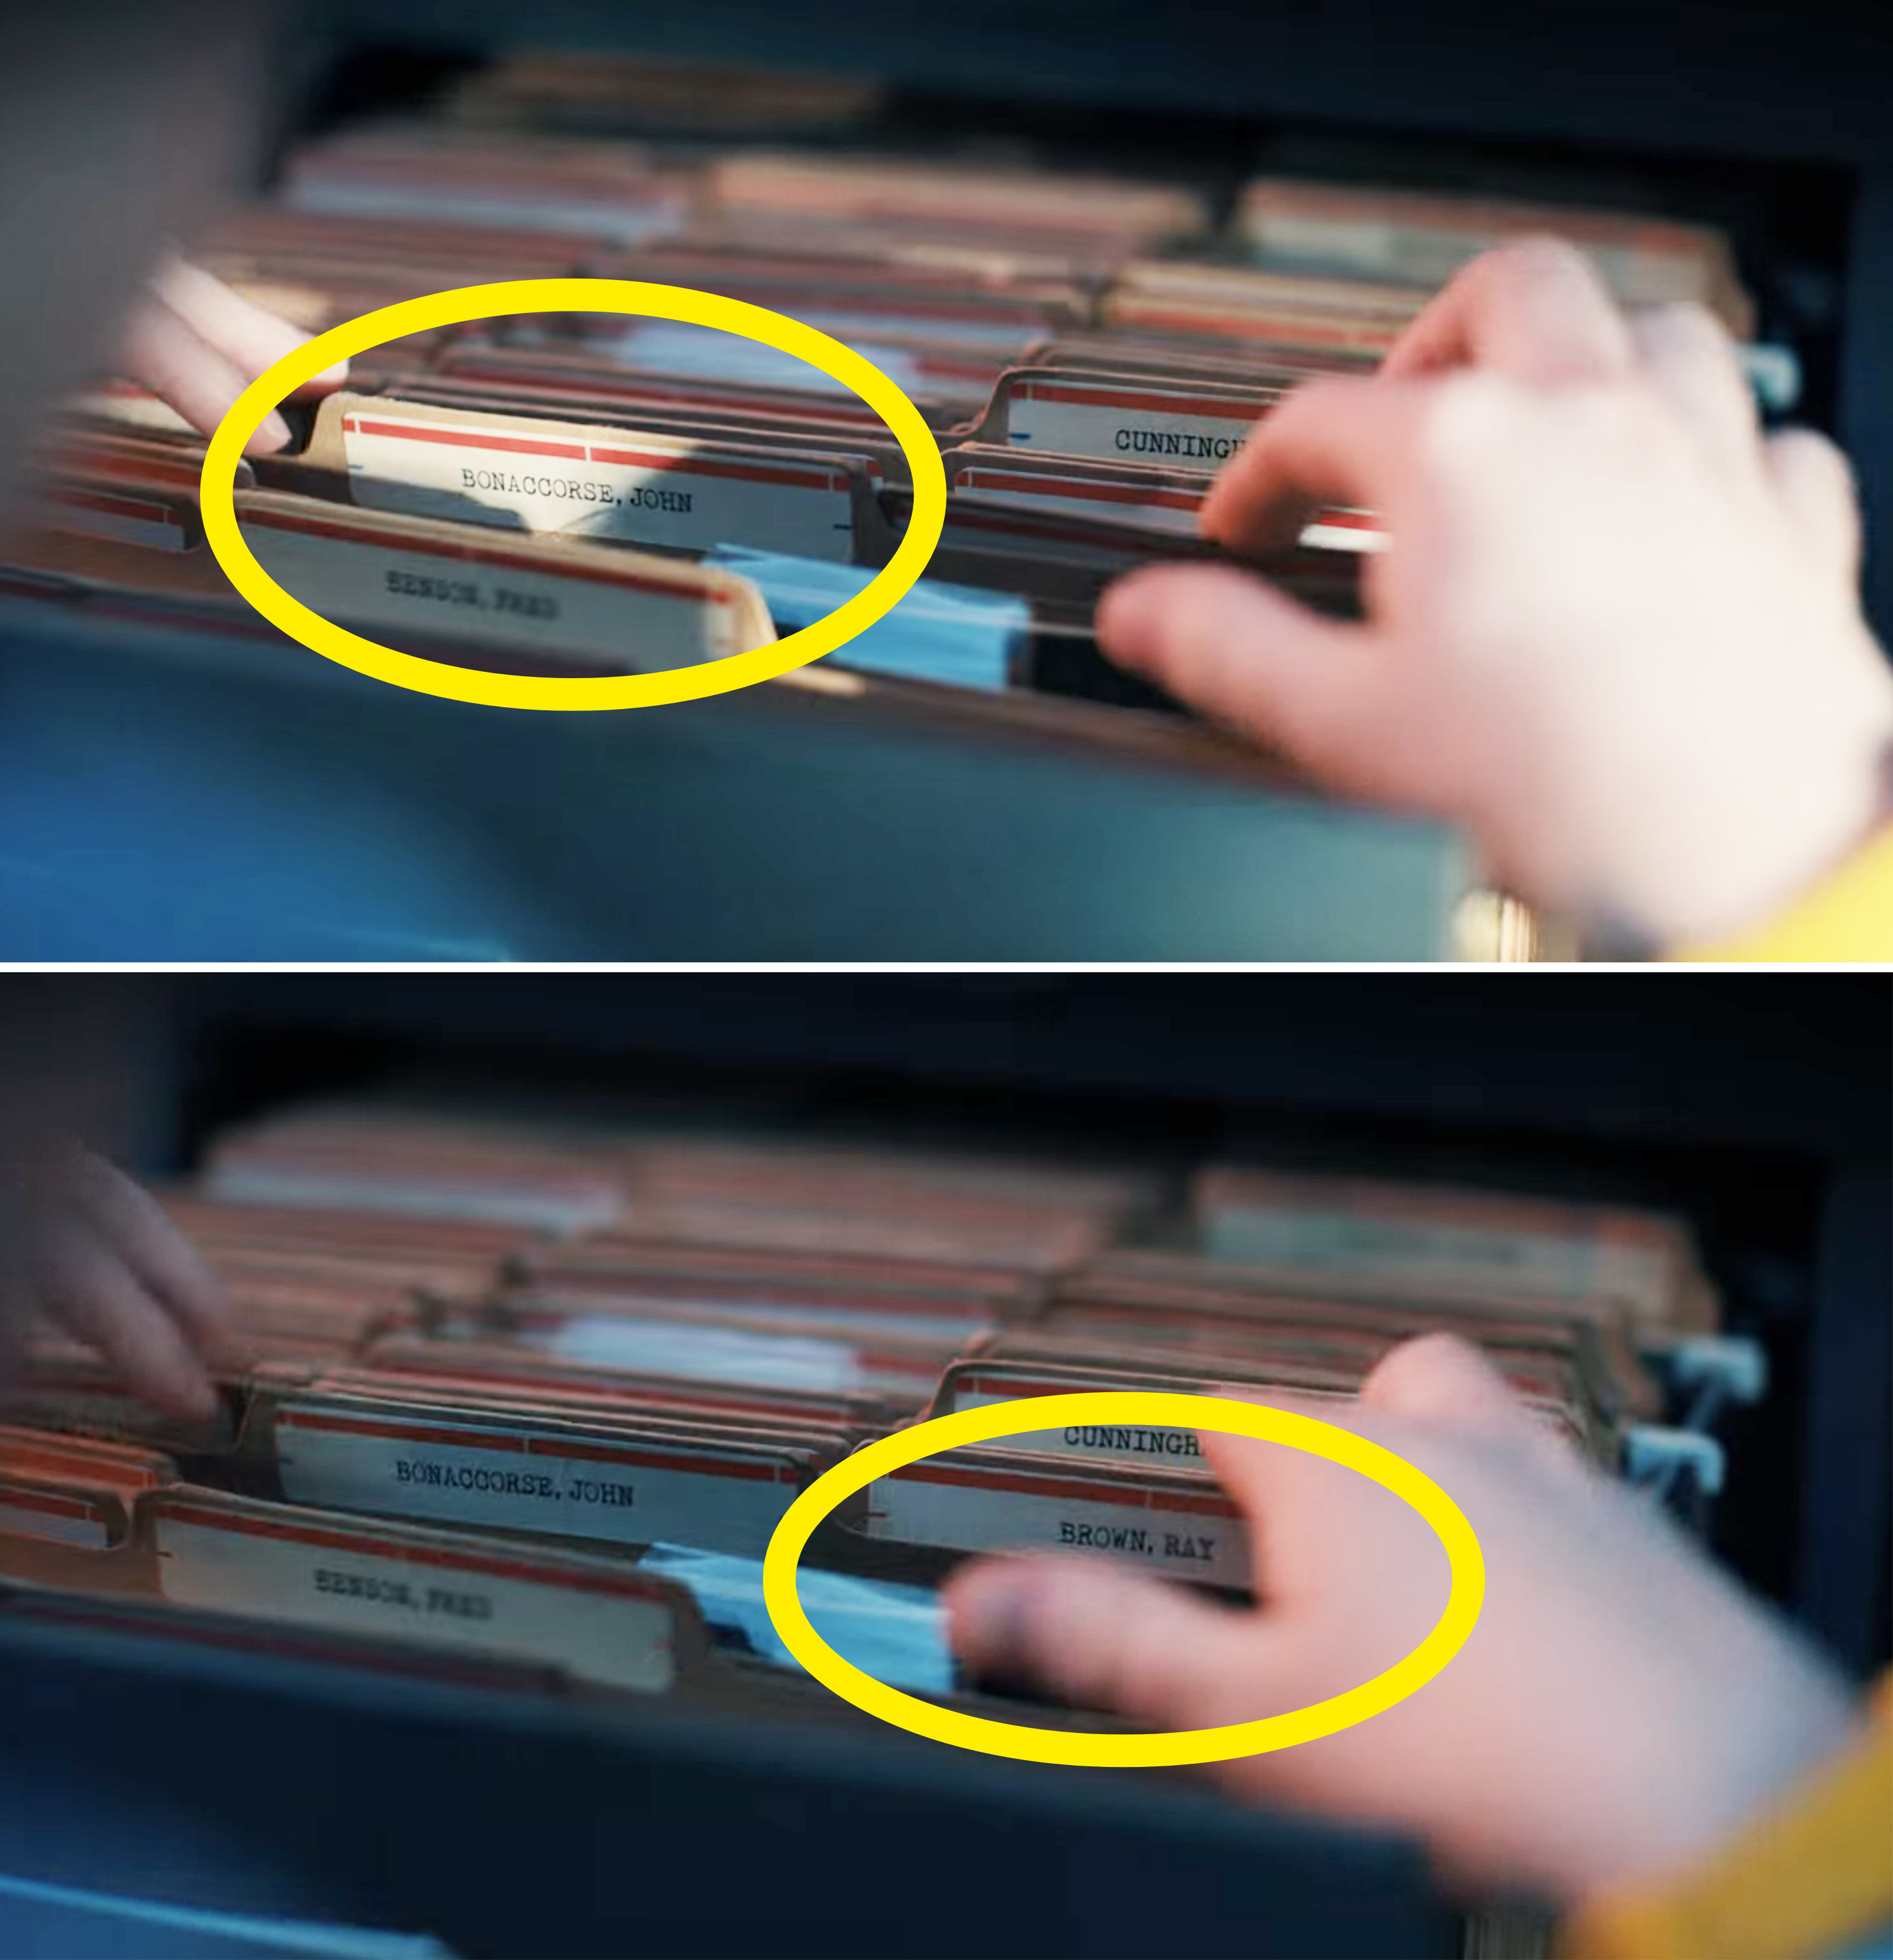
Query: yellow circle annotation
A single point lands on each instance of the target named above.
(626, 296)
(1178, 1746)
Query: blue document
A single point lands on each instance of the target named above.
(956, 634)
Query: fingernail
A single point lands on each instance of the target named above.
(272, 433)
(196, 1394)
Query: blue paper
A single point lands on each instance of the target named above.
(956, 634)
(897, 1634)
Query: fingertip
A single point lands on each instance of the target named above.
(272, 434)
(985, 1608)
(198, 1397)
(1434, 1373)
(1446, 1382)
(178, 1388)
(1129, 619)
(327, 382)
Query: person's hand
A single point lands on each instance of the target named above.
(1617, 634)
(84, 1247)
(1619, 1708)
(197, 345)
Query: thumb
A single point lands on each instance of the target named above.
(1091, 1633)
(1245, 653)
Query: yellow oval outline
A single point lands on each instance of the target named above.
(1177, 1746)
(217, 494)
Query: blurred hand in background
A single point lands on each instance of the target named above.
(83, 1248)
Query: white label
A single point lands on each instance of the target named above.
(1126, 424)
(1127, 1443)
(1162, 1534)
(586, 483)
(625, 625)
(473, 1603)
(524, 1480)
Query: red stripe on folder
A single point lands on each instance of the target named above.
(402, 1432)
(699, 465)
(1289, 330)
(51, 1503)
(1173, 405)
(645, 1459)
(466, 439)
(981, 1385)
(245, 1526)
(1133, 1499)
(99, 458)
(120, 507)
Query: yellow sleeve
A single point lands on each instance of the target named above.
(1847, 917)
(1809, 1879)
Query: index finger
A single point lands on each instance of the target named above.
(1536, 310)
(140, 1232)
(1336, 440)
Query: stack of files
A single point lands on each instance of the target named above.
(839, 1338)
(1422, 238)
(617, 193)
(449, 1263)
(1009, 1214)
(123, 532)
(1089, 221)
(69, 1505)
(1346, 324)
(604, 1462)
(317, 270)
(1386, 236)
(90, 1520)
(592, 91)
(530, 1179)
(955, 1291)
(1583, 1375)
(1425, 1242)
(635, 1188)
(1144, 1494)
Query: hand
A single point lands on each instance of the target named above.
(1617, 634)
(197, 345)
(82, 1245)
(1620, 1707)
